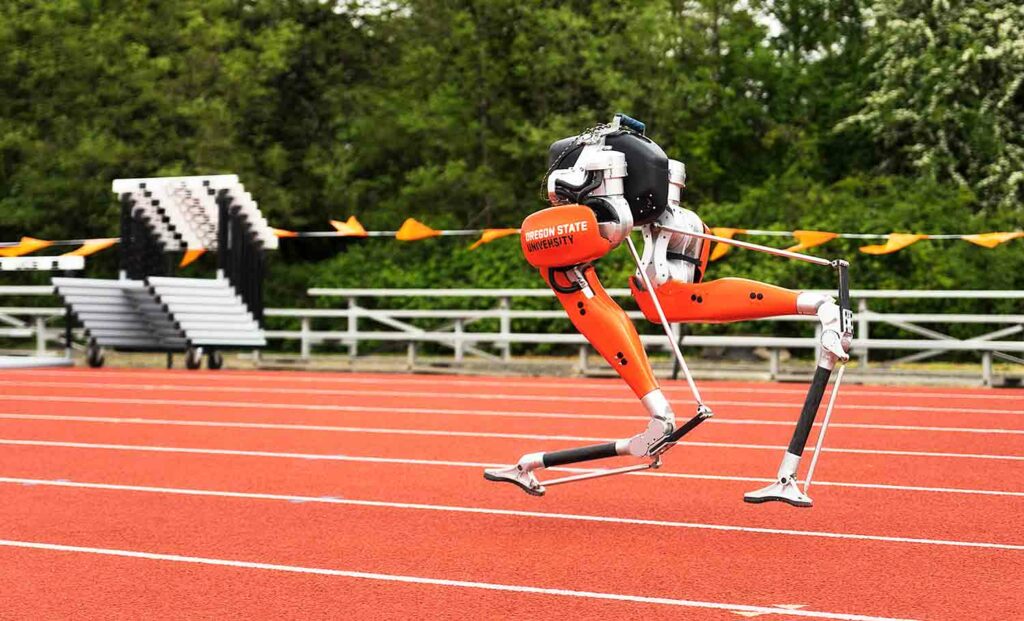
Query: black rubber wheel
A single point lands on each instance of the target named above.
(94, 356)
(214, 360)
(193, 358)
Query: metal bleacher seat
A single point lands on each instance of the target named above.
(120, 314)
(160, 313)
(208, 312)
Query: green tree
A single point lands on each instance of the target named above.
(946, 98)
(93, 91)
(444, 109)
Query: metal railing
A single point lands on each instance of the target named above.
(362, 324)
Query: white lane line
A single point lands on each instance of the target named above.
(469, 464)
(576, 517)
(488, 586)
(566, 416)
(391, 394)
(531, 436)
(292, 377)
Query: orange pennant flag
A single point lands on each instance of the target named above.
(91, 246)
(720, 248)
(191, 255)
(810, 239)
(350, 228)
(284, 233)
(895, 241)
(991, 240)
(26, 245)
(412, 230)
(490, 235)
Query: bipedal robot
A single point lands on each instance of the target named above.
(602, 184)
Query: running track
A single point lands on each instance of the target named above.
(137, 494)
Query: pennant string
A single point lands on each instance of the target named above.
(721, 250)
(810, 239)
(896, 241)
(490, 235)
(27, 245)
(191, 255)
(414, 230)
(350, 228)
(92, 246)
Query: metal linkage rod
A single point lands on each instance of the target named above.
(664, 322)
(755, 247)
(442, 233)
(824, 427)
(597, 474)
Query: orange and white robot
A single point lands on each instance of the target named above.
(602, 184)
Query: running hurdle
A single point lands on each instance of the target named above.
(148, 309)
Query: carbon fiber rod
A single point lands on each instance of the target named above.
(582, 453)
(810, 410)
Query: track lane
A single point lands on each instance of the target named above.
(1005, 441)
(475, 548)
(761, 460)
(1008, 398)
(220, 593)
(861, 511)
(337, 457)
(888, 511)
(82, 397)
(512, 399)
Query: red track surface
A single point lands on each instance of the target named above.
(154, 494)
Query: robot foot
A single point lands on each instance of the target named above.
(516, 475)
(783, 490)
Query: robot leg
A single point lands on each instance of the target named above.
(607, 327)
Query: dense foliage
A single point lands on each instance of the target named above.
(870, 116)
